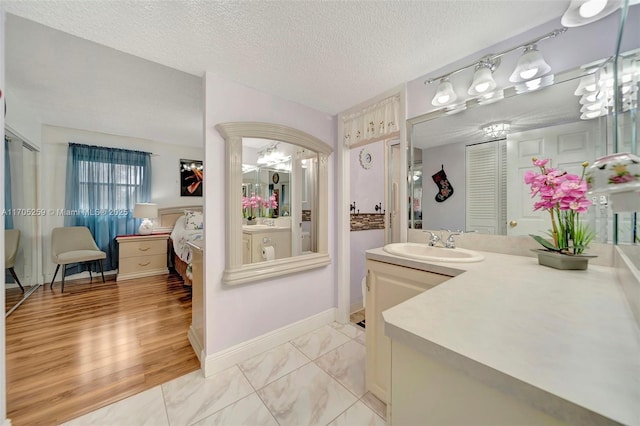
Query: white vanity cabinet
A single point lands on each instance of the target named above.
(253, 242)
(246, 248)
(387, 286)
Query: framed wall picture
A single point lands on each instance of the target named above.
(191, 178)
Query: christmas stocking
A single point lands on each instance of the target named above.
(444, 187)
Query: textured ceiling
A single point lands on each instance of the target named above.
(327, 55)
(134, 68)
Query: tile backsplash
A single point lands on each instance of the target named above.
(367, 221)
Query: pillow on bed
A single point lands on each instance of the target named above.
(194, 220)
(180, 222)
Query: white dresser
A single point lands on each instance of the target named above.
(142, 256)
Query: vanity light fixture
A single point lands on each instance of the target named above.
(491, 97)
(588, 98)
(531, 65)
(597, 90)
(531, 68)
(483, 81)
(535, 84)
(445, 94)
(582, 12)
(497, 130)
(454, 109)
(588, 85)
(270, 155)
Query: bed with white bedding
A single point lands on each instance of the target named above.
(185, 224)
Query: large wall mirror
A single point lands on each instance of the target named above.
(276, 201)
(486, 148)
(21, 216)
(627, 127)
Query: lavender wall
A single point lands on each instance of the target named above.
(367, 185)
(449, 214)
(237, 314)
(367, 190)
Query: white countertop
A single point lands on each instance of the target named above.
(565, 341)
(253, 229)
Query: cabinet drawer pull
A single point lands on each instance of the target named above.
(143, 248)
(144, 264)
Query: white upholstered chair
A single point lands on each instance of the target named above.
(11, 243)
(74, 244)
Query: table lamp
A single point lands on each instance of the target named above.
(145, 211)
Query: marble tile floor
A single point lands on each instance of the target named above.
(315, 379)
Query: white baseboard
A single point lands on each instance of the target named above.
(196, 344)
(6, 422)
(241, 352)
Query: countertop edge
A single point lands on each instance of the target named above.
(540, 399)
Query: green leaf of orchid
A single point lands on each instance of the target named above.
(546, 244)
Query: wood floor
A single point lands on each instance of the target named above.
(12, 295)
(356, 317)
(69, 354)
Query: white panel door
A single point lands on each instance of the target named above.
(568, 145)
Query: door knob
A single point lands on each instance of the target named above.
(513, 223)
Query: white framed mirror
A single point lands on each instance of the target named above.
(265, 239)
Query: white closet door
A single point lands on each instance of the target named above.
(568, 145)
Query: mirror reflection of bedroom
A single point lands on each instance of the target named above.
(21, 230)
(112, 143)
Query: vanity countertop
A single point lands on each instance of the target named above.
(255, 229)
(565, 341)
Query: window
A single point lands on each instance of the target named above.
(103, 185)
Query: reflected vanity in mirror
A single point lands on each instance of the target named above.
(271, 198)
(276, 199)
(21, 217)
(487, 167)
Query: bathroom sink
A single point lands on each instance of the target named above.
(434, 254)
(255, 227)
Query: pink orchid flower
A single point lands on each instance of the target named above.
(563, 195)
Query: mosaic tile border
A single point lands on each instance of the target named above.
(367, 221)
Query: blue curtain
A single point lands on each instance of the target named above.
(103, 185)
(8, 218)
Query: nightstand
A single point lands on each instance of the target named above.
(142, 256)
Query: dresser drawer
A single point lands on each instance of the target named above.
(142, 248)
(140, 264)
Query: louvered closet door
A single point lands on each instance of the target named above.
(486, 187)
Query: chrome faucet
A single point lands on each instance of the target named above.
(433, 238)
(450, 243)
